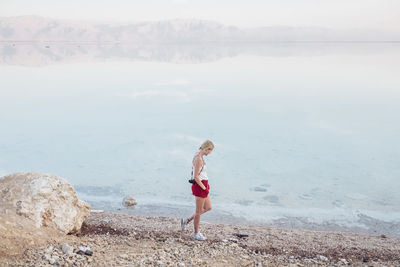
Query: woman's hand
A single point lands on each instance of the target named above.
(207, 189)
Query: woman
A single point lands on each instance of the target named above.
(200, 189)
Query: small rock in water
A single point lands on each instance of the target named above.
(129, 201)
(383, 236)
(259, 189)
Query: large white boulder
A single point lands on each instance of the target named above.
(47, 199)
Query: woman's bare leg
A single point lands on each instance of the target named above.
(206, 207)
(207, 204)
(199, 210)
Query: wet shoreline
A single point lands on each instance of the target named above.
(364, 225)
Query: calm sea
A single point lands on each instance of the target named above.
(306, 134)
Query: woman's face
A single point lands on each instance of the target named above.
(207, 150)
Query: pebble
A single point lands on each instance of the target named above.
(67, 249)
(161, 248)
(49, 249)
(322, 258)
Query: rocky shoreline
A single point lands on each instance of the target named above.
(131, 240)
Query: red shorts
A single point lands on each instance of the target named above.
(198, 191)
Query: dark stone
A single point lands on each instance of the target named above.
(88, 252)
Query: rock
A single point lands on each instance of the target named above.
(129, 201)
(344, 261)
(49, 249)
(55, 258)
(124, 256)
(241, 235)
(67, 249)
(322, 258)
(47, 199)
(84, 250)
(259, 189)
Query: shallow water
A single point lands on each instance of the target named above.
(304, 131)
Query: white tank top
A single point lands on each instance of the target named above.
(203, 172)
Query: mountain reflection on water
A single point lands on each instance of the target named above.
(47, 53)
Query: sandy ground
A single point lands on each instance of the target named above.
(130, 240)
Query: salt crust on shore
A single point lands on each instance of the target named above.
(131, 240)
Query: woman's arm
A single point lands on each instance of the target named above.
(197, 163)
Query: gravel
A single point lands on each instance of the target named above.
(131, 240)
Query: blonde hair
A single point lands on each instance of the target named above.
(207, 144)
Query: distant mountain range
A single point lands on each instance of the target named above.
(33, 28)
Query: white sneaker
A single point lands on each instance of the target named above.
(199, 236)
(184, 222)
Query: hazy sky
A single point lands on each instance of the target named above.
(379, 14)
